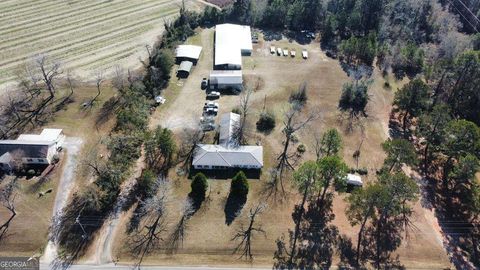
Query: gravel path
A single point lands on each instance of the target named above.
(104, 242)
(67, 180)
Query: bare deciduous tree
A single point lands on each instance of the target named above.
(28, 104)
(149, 236)
(178, 235)
(49, 70)
(292, 123)
(118, 80)
(71, 84)
(7, 200)
(99, 79)
(245, 235)
(239, 136)
(190, 138)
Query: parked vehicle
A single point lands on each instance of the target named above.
(211, 104)
(213, 95)
(331, 54)
(159, 100)
(210, 111)
(272, 49)
(305, 54)
(204, 84)
(285, 52)
(209, 126)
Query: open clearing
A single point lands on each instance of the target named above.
(207, 240)
(84, 35)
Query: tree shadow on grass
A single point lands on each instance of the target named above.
(346, 252)
(233, 208)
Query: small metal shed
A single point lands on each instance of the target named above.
(184, 69)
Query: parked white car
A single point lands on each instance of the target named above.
(210, 111)
(160, 100)
(211, 104)
(213, 95)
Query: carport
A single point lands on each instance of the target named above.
(184, 69)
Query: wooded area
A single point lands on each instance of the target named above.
(434, 130)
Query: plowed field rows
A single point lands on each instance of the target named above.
(83, 34)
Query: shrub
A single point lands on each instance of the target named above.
(146, 183)
(164, 61)
(361, 171)
(266, 123)
(299, 97)
(301, 148)
(199, 187)
(236, 110)
(31, 172)
(239, 187)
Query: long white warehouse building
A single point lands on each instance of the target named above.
(231, 42)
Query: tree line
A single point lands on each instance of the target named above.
(89, 207)
(381, 209)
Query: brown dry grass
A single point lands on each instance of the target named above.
(29, 229)
(208, 237)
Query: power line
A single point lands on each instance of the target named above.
(467, 8)
(461, 14)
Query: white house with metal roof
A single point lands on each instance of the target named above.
(32, 148)
(211, 156)
(231, 42)
(228, 154)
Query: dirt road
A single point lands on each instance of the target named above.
(104, 242)
(67, 181)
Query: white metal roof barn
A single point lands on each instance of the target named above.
(231, 42)
(226, 79)
(188, 52)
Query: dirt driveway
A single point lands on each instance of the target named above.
(185, 98)
(67, 182)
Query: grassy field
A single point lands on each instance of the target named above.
(84, 35)
(28, 233)
(208, 237)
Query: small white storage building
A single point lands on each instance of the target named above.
(188, 53)
(226, 80)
